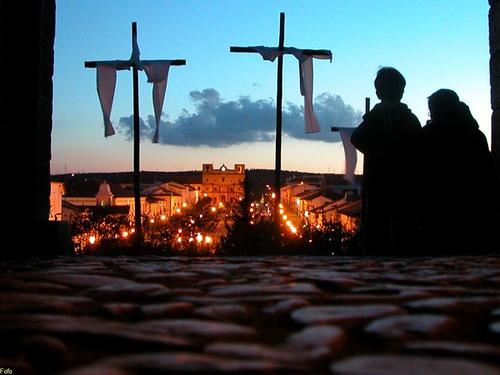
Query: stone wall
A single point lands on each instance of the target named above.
(494, 28)
(27, 30)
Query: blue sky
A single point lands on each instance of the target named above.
(435, 44)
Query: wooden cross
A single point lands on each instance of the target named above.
(136, 65)
(282, 50)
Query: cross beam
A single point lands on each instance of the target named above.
(126, 63)
(286, 51)
(282, 50)
(135, 64)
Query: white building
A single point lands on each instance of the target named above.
(56, 198)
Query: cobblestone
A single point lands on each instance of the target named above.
(263, 315)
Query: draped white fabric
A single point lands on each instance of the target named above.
(306, 79)
(306, 89)
(157, 73)
(106, 82)
(267, 53)
(351, 156)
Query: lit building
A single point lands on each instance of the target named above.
(56, 197)
(160, 199)
(350, 215)
(104, 196)
(168, 198)
(347, 211)
(223, 185)
(291, 191)
(308, 201)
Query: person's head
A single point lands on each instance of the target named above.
(389, 84)
(442, 103)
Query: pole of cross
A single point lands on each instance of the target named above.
(279, 122)
(136, 66)
(281, 50)
(137, 144)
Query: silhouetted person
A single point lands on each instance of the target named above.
(459, 200)
(387, 139)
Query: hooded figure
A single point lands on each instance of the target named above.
(387, 138)
(459, 202)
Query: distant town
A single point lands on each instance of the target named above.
(308, 201)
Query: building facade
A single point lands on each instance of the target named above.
(163, 199)
(223, 185)
(56, 198)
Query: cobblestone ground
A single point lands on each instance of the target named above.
(286, 315)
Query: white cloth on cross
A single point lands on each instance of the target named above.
(351, 156)
(157, 73)
(306, 78)
(106, 81)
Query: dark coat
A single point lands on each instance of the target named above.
(458, 200)
(387, 138)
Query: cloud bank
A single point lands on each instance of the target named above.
(219, 123)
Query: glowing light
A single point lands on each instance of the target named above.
(298, 202)
(201, 216)
(92, 240)
(208, 239)
(213, 209)
(282, 211)
(252, 222)
(179, 230)
(191, 239)
(178, 210)
(306, 213)
(221, 204)
(205, 195)
(132, 230)
(199, 237)
(252, 205)
(184, 204)
(285, 217)
(281, 205)
(191, 221)
(240, 199)
(273, 195)
(152, 221)
(179, 239)
(288, 222)
(251, 209)
(293, 229)
(163, 217)
(125, 234)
